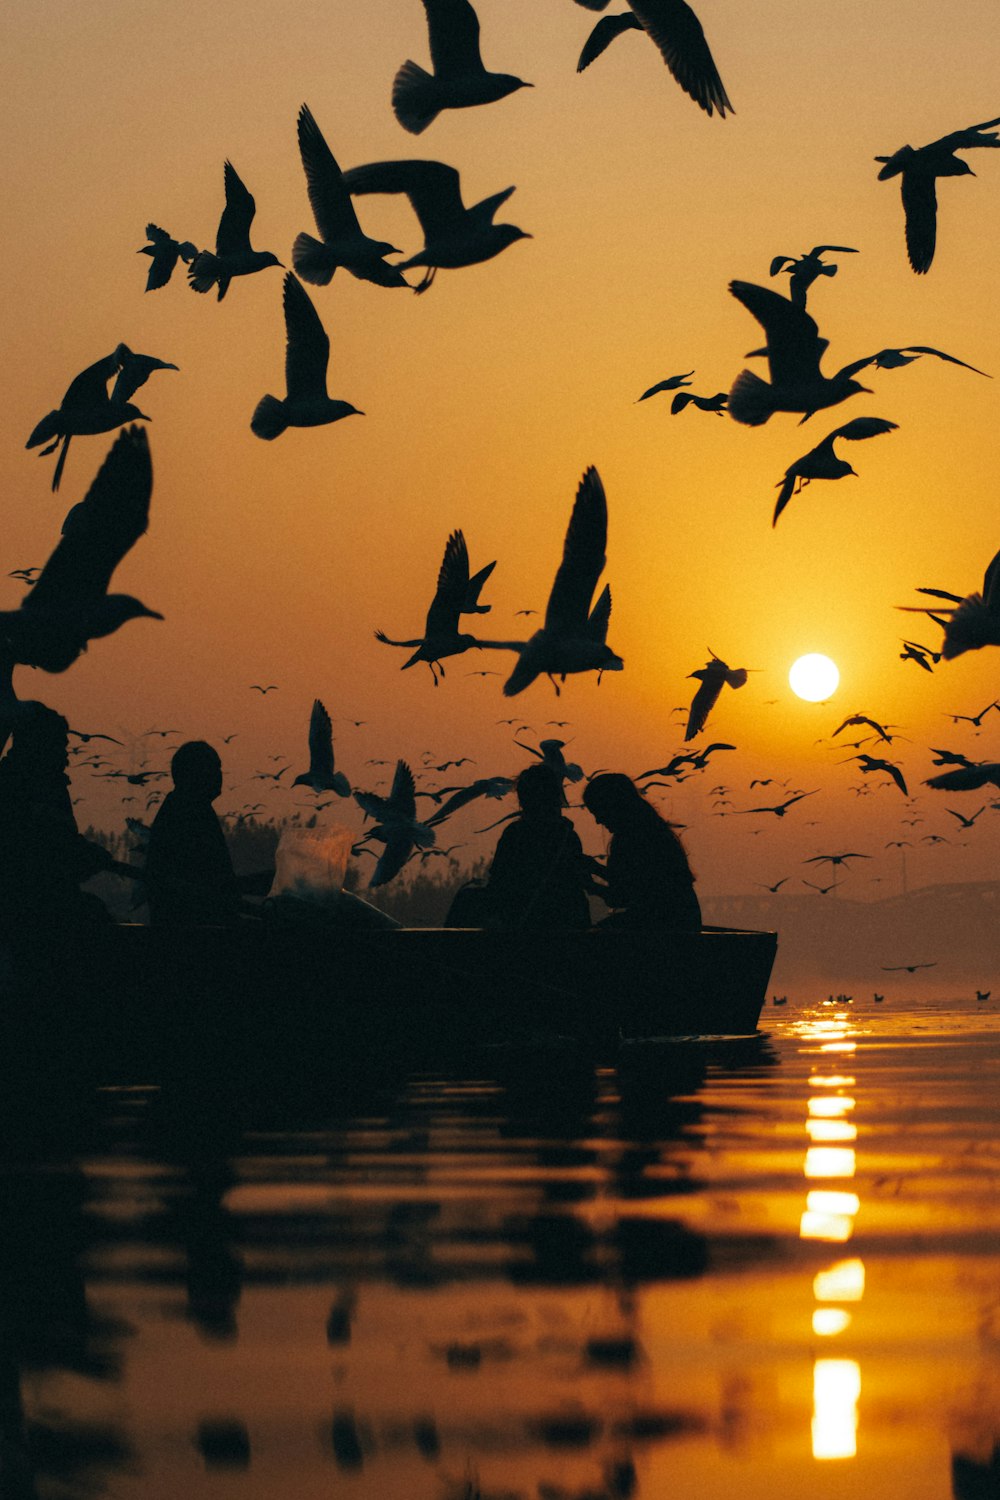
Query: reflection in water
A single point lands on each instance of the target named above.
(836, 1388)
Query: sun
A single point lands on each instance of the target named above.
(814, 677)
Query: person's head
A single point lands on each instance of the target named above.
(40, 740)
(615, 801)
(539, 792)
(197, 770)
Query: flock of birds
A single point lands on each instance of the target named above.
(67, 602)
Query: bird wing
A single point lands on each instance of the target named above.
(320, 741)
(593, 4)
(600, 616)
(90, 387)
(307, 348)
(237, 216)
(787, 490)
(963, 140)
(919, 194)
(991, 591)
(678, 34)
(398, 848)
(453, 28)
(433, 188)
(862, 427)
(832, 249)
(966, 778)
(703, 702)
(471, 604)
(603, 34)
(794, 347)
(403, 795)
(98, 532)
(583, 557)
(452, 587)
(329, 198)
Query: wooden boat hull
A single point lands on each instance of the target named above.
(132, 1003)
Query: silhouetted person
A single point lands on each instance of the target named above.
(538, 875)
(44, 856)
(189, 873)
(647, 878)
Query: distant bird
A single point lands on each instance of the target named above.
(307, 353)
(983, 994)
(234, 255)
(714, 676)
(794, 350)
(87, 408)
(26, 575)
(459, 80)
(824, 890)
(696, 759)
(69, 605)
(493, 787)
(270, 687)
(574, 635)
(672, 382)
(781, 810)
(779, 999)
(550, 753)
(877, 997)
(717, 403)
(969, 623)
(774, 889)
(853, 719)
(908, 968)
(525, 612)
(397, 826)
(834, 859)
(678, 35)
(963, 821)
(822, 462)
(918, 169)
(164, 252)
(454, 235)
(949, 757)
(342, 241)
(922, 655)
(85, 738)
(321, 776)
(457, 593)
(869, 763)
(805, 269)
(975, 719)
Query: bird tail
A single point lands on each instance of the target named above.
(269, 420)
(205, 271)
(521, 677)
(313, 260)
(751, 399)
(414, 98)
(47, 429)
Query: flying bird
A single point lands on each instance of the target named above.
(263, 689)
(234, 255)
(459, 79)
(672, 383)
(397, 826)
(714, 676)
(550, 753)
(457, 593)
(963, 821)
(918, 170)
(882, 731)
(908, 968)
(494, 787)
(781, 810)
(342, 241)
(87, 408)
(574, 635)
(922, 655)
(680, 39)
(794, 350)
(803, 270)
(822, 462)
(453, 234)
(967, 778)
(834, 859)
(164, 252)
(321, 776)
(869, 763)
(717, 403)
(969, 623)
(307, 354)
(69, 605)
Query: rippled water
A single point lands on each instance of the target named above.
(765, 1267)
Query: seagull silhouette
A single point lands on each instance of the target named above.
(963, 821)
(678, 35)
(459, 80)
(969, 623)
(794, 350)
(270, 687)
(822, 462)
(86, 408)
(908, 968)
(321, 776)
(342, 241)
(714, 676)
(574, 635)
(853, 719)
(834, 859)
(453, 234)
(805, 269)
(717, 403)
(922, 655)
(918, 170)
(164, 253)
(672, 382)
(397, 826)
(307, 354)
(869, 763)
(456, 594)
(69, 605)
(494, 787)
(781, 810)
(967, 778)
(234, 255)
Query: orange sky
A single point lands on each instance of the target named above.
(487, 398)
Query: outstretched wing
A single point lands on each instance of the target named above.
(453, 28)
(452, 586)
(237, 216)
(678, 34)
(583, 558)
(320, 741)
(603, 34)
(433, 188)
(794, 347)
(98, 532)
(307, 350)
(328, 196)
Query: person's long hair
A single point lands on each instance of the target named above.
(617, 802)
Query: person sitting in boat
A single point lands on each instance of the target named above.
(189, 874)
(539, 870)
(45, 857)
(647, 878)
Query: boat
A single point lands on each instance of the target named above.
(129, 1004)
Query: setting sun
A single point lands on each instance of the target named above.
(814, 677)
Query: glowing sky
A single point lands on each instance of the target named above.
(486, 399)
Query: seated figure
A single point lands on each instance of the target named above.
(647, 878)
(189, 874)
